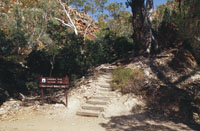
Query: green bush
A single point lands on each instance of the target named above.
(38, 62)
(127, 80)
(12, 79)
(113, 46)
(94, 53)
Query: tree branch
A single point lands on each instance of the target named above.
(90, 23)
(63, 22)
(67, 14)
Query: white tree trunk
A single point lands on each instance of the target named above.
(148, 24)
(71, 23)
(86, 30)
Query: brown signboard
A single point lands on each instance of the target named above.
(49, 82)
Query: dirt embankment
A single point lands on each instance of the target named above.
(124, 112)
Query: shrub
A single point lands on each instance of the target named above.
(128, 80)
(12, 79)
(38, 62)
(113, 46)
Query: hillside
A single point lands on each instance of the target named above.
(124, 111)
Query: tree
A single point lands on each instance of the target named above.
(100, 5)
(71, 23)
(114, 8)
(142, 29)
(77, 3)
(119, 20)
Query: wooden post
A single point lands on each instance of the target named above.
(66, 91)
(42, 96)
(66, 95)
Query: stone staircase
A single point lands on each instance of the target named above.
(97, 103)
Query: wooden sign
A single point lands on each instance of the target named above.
(49, 82)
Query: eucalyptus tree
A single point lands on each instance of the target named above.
(114, 8)
(89, 7)
(76, 3)
(100, 5)
(70, 22)
(24, 24)
(119, 19)
(142, 32)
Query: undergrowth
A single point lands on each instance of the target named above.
(127, 80)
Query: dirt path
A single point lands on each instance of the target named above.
(60, 121)
(118, 116)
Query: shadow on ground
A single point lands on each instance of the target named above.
(143, 122)
(181, 93)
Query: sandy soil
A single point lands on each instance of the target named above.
(60, 119)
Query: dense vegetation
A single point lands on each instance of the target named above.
(34, 42)
(179, 23)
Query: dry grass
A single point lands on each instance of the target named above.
(128, 80)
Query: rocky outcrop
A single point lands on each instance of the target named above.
(84, 23)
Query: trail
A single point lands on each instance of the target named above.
(111, 111)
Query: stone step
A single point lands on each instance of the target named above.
(93, 102)
(94, 108)
(104, 89)
(106, 79)
(87, 113)
(108, 76)
(100, 97)
(100, 100)
(105, 94)
(104, 85)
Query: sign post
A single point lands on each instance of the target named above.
(49, 82)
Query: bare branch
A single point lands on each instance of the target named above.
(63, 22)
(67, 14)
(90, 23)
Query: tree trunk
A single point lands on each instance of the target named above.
(148, 24)
(142, 28)
(52, 61)
(71, 23)
(137, 7)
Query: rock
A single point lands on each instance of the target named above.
(83, 21)
(90, 81)
(147, 72)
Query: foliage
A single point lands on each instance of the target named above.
(179, 23)
(73, 56)
(94, 53)
(113, 46)
(33, 42)
(5, 48)
(38, 62)
(11, 80)
(168, 35)
(66, 50)
(127, 80)
(143, 36)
